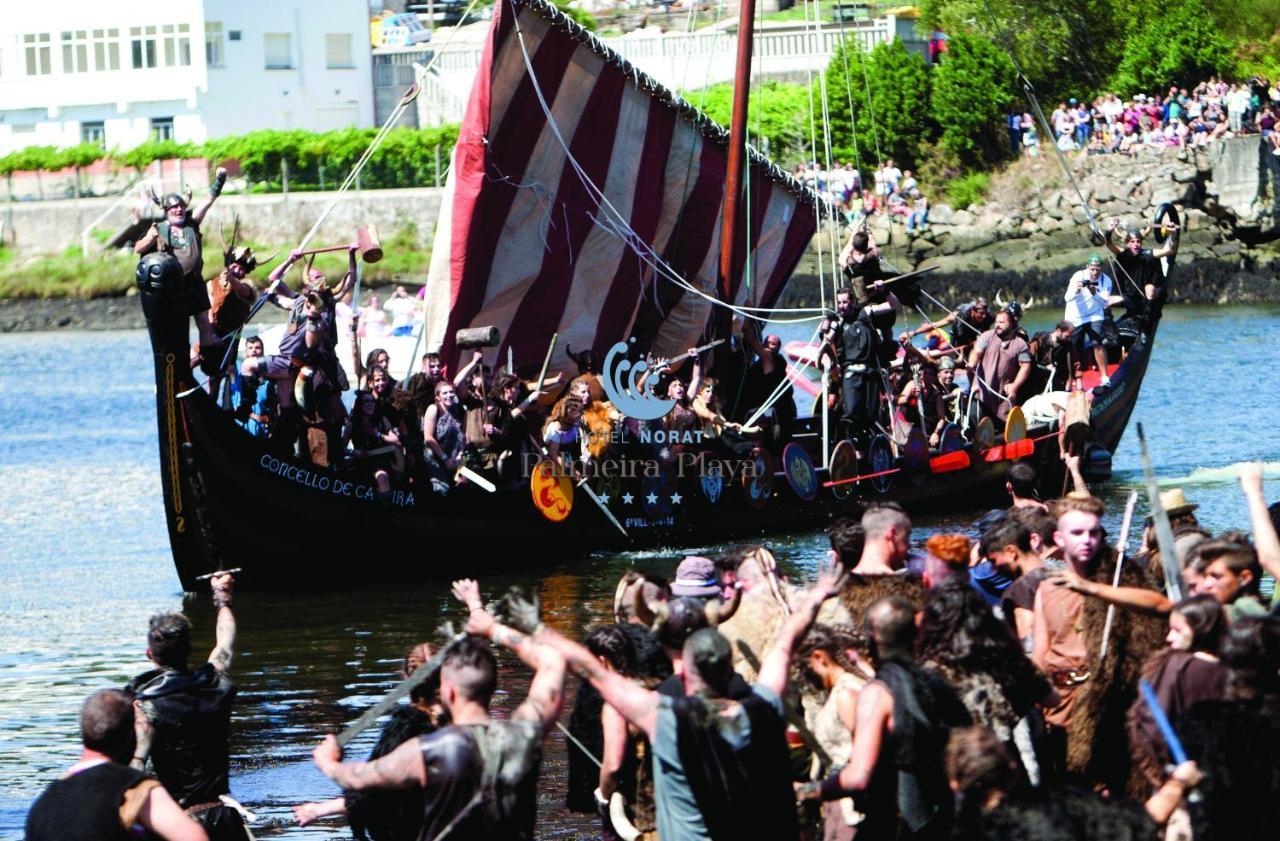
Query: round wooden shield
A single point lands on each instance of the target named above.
(915, 456)
(711, 481)
(880, 459)
(952, 439)
(844, 465)
(757, 482)
(984, 434)
(798, 468)
(552, 491)
(1015, 426)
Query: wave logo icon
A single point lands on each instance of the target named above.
(621, 380)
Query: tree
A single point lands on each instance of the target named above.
(970, 88)
(1065, 49)
(1178, 44)
(895, 121)
(776, 112)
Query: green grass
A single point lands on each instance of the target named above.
(109, 274)
(826, 13)
(968, 189)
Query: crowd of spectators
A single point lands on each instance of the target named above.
(1178, 118)
(895, 193)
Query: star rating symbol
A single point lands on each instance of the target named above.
(627, 499)
(676, 499)
(604, 499)
(652, 498)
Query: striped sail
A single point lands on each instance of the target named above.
(534, 244)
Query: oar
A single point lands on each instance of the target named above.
(209, 575)
(947, 462)
(1164, 532)
(420, 676)
(1129, 505)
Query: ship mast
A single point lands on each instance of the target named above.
(731, 230)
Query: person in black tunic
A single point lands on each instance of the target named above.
(855, 340)
(479, 775)
(101, 798)
(1141, 274)
(764, 376)
(187, 713)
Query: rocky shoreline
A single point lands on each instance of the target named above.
(1024, 242)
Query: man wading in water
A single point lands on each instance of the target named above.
(185, 721)
(479, 776)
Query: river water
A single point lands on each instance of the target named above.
(84, 559)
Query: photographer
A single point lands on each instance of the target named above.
(1089, 292)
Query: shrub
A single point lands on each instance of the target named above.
(968, 189)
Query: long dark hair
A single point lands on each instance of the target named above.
(958, 631)
(1207, 620)
(836, 641)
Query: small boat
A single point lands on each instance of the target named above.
(583, 208)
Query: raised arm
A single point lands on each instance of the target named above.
(1264, 533)
(225, 631)
(465, 370)
(1111, 228)
(148, 242)
(546, 690)
(776, 665)
(215, 190)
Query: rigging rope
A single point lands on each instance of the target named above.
(616, 223)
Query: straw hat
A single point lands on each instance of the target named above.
(1174, 502)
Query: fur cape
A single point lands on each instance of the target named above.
(1097, 742)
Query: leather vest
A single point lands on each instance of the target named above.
(183, 243)
(190, 714)
(84, 806)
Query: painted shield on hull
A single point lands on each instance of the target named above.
(711, 481)
(915, 456)
(1015, 426)
(800, 473)
(984, 434)
(844, 465)
(759, 487)
(880, 459)
(552, 491)
(952, 439)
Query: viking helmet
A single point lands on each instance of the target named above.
(170, 200)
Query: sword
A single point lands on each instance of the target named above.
(583, 484)
(1164, 532)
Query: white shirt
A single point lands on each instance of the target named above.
(402, 310)
(1083, 306)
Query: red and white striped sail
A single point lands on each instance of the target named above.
(525, 243)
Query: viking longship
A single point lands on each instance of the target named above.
(585, 208)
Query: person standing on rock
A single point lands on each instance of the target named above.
(179, 235)
(1141, 274)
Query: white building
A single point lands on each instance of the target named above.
(121, 71)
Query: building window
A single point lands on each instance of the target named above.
(337, 51)
(177, 44)
(215, 53)
(95, 133)
(39, 54)
(233, 35)
(75, 51)
(142, 42)
(279, 50)
(162, 128)
(106, 49)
